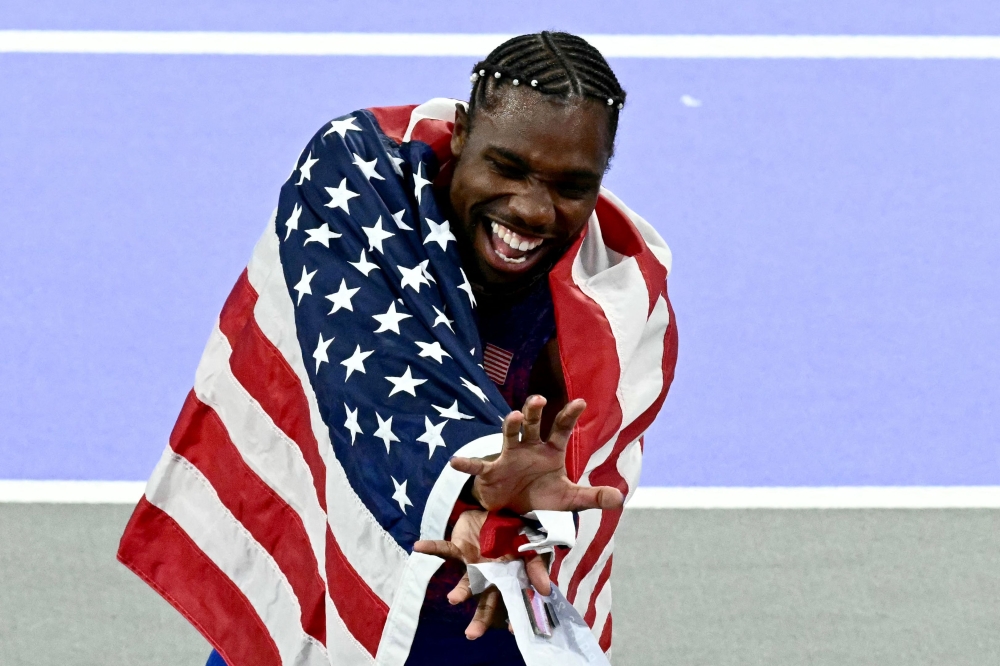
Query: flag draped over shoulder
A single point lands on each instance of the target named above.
(344, 372)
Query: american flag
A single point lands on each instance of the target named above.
(344, 372)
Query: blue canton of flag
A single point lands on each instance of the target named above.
(384, 315)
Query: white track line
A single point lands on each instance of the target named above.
(838, 497)
(477, 45)
(843, 497)
(72, 492)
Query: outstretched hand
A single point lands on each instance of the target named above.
(531, 473)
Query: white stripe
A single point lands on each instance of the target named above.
(590, 521)
(18, 491)
(71, 492)
(178, 489)
(585, 589)
(963, 47)
(268, 451)
(831, 497)
(602, 607)
(370, 550)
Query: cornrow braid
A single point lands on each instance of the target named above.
(553, 63)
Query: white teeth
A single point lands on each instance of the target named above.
(514, 241)
(509, 260)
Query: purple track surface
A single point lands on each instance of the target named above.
(834, 226)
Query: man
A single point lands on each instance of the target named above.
(435, 265)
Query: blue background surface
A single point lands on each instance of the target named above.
(834, 224)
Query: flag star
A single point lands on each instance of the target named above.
(432, 350)
(303, 286)
(292, 224)
(405, 383)
(339, 196)
(398, 218)
(390, 320)
(321, 234)
(441, 319)
(473, 351)
(397, 162)
(367, 168)
(440, 233)
(342, 299)
(356, 361)
(376, 234)
(384, 432)
(419, 182)
(426, 273)
(467, 288)
(400, 495)
(451, 412)
(320, 353)
(412, 277)
(432, 436)
(342, 127)
(363, 264)
(476, 391)
(305, 170)
(352, 423)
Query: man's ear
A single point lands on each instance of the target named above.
(460, 132)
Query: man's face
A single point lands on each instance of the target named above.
(526, 179)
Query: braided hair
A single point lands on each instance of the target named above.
(553, 63)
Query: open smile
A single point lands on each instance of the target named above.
(510, 246)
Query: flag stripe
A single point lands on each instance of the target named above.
(602, 580)
(183, 493)
(193, 584)
(363, 613)
(201, 438)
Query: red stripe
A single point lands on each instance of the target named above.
(362, 611)
(602, 579)
(586, 344)
(605, 641)
(393, 120)
(238, 308)
(159, 552)
(201, 438)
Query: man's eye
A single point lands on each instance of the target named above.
(574, 191)
(508, 171)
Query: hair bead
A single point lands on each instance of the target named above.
(482, 72)
(534, 83)
(496, 75)
(610, 101)
(621, 105)
(516, 82)
(474, 77)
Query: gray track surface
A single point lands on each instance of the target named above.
(698, 588)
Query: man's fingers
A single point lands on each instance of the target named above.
(564, 423)
(444, 549)
(532, 427)
(461, 592)
(538, 574)
(472, 466)
(481, 621)
(602, 497)
(512, 430)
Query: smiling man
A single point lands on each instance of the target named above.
(428, 270)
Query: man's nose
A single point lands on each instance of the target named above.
(533, 205)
